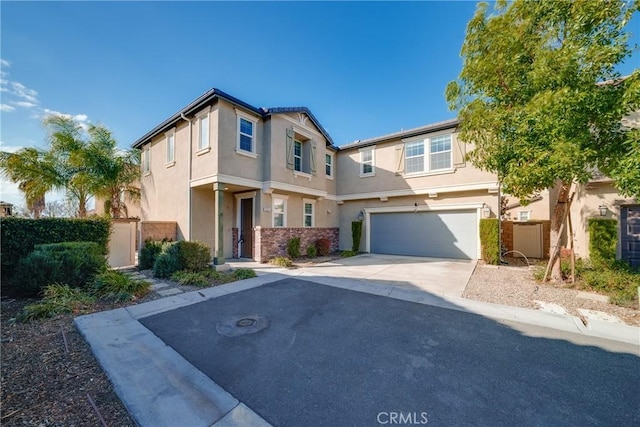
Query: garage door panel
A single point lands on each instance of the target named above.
(430, 234)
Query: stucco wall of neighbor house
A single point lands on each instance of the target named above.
(204, 162)
(164, 189)
(133, 207)
(539, 210)
(279, 173)
(231, 162)
(585, 205)
(348, 212)
(388, 178)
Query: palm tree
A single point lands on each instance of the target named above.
(116, 171)
(82, 167)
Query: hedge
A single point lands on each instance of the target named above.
(19, 236)
(490, 240)
(182, 255)
(603, 238)
(356, 235)
(70, 263)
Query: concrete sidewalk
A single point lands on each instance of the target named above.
(160, 388)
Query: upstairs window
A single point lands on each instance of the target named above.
(171, 146)
(430, 154)
(245, 137)
(524, 215)
(301, 153)
(367, 164)
(328, 168)
(146, 160)
(203, 132)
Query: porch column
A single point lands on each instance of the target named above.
(218, 250)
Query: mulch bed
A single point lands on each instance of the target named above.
(50, 376)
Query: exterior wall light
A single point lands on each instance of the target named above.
(486, 211)
(361, 216)
(603, 210)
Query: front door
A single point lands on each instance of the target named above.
(630, 233)
(246, 228)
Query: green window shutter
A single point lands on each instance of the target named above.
(459, 152)
(290, 159)
(399, 159)
(312, 166)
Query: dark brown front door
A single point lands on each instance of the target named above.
(246, 228)
(630, 233)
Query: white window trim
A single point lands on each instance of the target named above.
(241, 115)
(273, 212)
(170, 162)
(146, 150)
(313, 212)
(333, 163)
(427, 157)
(199, 116)
(373, 161)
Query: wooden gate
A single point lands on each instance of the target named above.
(122, 244)
(527, 238)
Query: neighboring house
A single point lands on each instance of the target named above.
(6, 209)
(244, 180)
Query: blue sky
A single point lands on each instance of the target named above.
(364, 69)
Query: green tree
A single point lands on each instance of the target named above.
(83, 164)
(540, 98)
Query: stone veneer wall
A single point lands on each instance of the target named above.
(507, 235)
(272, 242)
(158, 230)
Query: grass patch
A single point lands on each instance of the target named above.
(192, 278)
(116, 286)
(244, 273)
(281, 261)
(58, 299)
(347, 254)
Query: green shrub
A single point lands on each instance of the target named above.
(490, 240)
(182, 255)
(603, 238)
(281, 261)
(190, 278)
(73, 263)
(19, 236)
(312, 252)
(116, 286)
(149, 252)
(347, 254)
(356, 235)
(324, 246)
(58, 299)
(244, 273)
(293, 247)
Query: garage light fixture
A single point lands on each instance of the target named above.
(361, 216)
(603, 210)
(486, 211)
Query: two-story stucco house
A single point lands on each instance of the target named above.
(245, 180)
(239, 178)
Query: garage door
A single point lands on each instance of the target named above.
(630, 233)
(449, 234)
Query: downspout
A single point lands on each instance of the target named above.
(189, 174)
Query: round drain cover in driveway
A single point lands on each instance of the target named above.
(242, 325)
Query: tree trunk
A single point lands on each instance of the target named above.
(557, 218)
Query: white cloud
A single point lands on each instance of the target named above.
(10, 148)
(25, 104)
(21, 91)
(4, 63)
(6, 108)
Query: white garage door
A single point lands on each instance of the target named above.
(442, 234)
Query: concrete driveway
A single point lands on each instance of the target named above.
(321, 350)
(437, 276)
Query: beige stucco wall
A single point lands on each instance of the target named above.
(164, 189)
(386, 165)
(204, 162)
(326, 212)
(539, 210)
(585, 206)
(348, 212)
